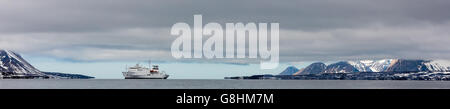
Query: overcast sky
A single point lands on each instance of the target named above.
(310, 30)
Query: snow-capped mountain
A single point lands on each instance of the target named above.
(402, 65)
(340, 67)
(372, 65)
(398, 65)
(11, 62)
(12, 65)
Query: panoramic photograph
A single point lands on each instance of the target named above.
(204, 53)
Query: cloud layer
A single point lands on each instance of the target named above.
(109, 30)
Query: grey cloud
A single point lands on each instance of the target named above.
(103, 15)
(422, 41)
(310, 29)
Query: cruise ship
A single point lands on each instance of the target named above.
(141, 72)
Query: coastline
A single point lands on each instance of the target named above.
(217, 84)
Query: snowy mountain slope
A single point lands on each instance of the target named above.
(372, 65)
(12, 65)
(340, 67)
(382, 65)
(436, 67)
(362, 66)
(403, 65)
(11, 62)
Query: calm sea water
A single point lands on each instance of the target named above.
(219, 84)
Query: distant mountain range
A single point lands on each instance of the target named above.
(384, 65)
(12, 65)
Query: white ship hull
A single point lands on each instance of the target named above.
(148, 76)
(139, 72)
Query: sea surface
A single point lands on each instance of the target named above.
(217, 84)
